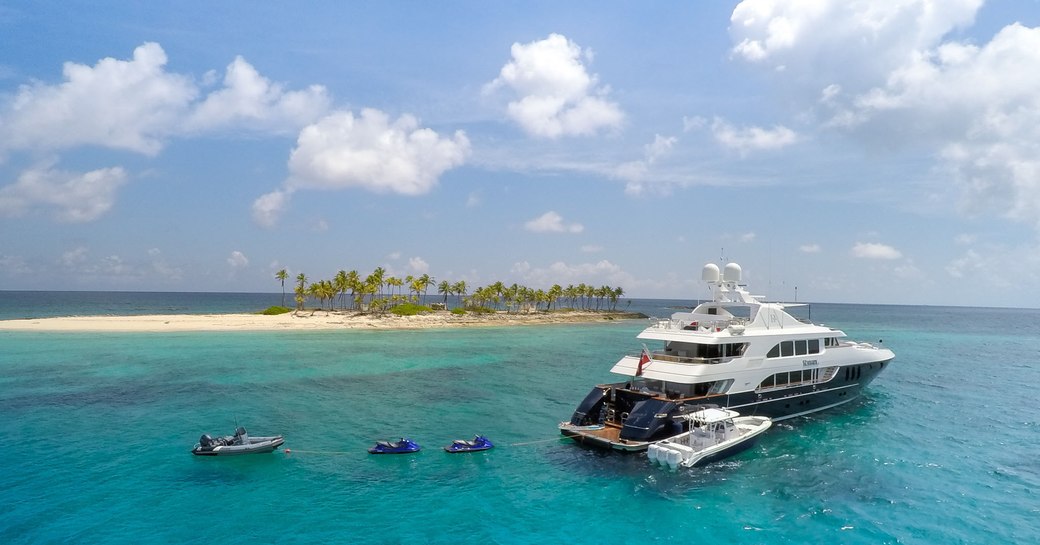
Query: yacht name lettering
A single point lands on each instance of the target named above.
(809, 363)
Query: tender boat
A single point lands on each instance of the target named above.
(239, 443)
(736, 352)
(403, 446)
(714, 434)
(478, 444)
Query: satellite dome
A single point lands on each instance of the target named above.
(731, 273)
(710, 273)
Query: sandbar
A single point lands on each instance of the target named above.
(302, 321)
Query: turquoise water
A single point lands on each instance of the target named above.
(942, 449)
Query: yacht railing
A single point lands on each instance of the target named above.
(660, 356)
(696, 326)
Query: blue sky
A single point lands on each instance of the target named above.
(860, 151)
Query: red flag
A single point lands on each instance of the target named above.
(644, 359)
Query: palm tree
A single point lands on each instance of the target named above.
(354, 285)
(301, 290)
(425, 281)
(282, 275)
(340, 283)
(554, 293)
(394, 282)
(618, 292)
(460, 289)
(445, 287)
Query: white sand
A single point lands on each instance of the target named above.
(317, 320)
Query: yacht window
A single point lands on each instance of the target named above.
(769, 382)
(774, 352)
(800, 348)
(814, 346)
(713, 310)
(781, 379)
(787, 348)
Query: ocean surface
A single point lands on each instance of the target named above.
(943, 448)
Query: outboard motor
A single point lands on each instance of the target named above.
(590, 406)
(649, 420)
(205, 441)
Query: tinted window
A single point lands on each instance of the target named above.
(787, 348)
(814, 346)
(800, 348)
(774, 352)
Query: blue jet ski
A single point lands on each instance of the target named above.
(404, 446)
(478, 444)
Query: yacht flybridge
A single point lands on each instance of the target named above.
(735, 352)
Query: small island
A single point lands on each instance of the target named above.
(349, 302)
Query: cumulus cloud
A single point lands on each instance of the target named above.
(136, 105)
(72, 197)
(267, 208)
(250, 99)
(750, 139)
(124, 104)
(551, 222)
(555, 94)
(237, 260)
(891, 74)
(810, 248)
(875, 250)
(369, 151)
(418, 265)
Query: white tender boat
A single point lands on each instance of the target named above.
(737, 352)
(714, 434)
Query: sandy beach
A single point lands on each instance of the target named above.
(317, 320)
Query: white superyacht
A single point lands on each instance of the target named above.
(735, 352)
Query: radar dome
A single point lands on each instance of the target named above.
(731, 273)
(710, 273)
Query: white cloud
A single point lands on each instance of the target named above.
(817, 38)
(369, 152)
(473, 200)
(752, 138)
(267, 208)
(891, 75)
(636, 173)
(137, 105)
(551, 222)
(73, 197)
(418, 265)
(250, 99)
(747, 237)
(237, 260)
(810, 248)
(120, 104)
(74, 256)
(373, 153)
(874, 250)
(556, 96)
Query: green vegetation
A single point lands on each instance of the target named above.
(380, 293)
(458, 311)
(275, 310)
(410, 309)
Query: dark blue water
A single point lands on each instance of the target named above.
(942, 449)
